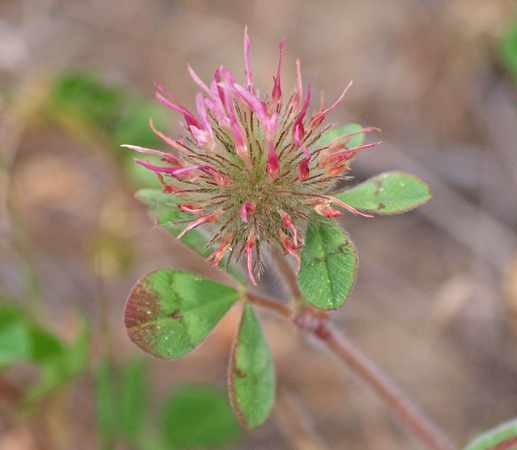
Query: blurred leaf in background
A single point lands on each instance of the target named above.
(193, 416)
(88, 107)
(200, 416)
(59, 362)
(508, 49)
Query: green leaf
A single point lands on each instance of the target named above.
(200, 417)
(133, 394)
(169, 313)
(164, 207)
(508, 49)
(328, 266)
(333, 133)
(59, 362)
(45, 345)
(495, 436)
(388, 193)
(105, 404)
(252, 375)
(81, 95)
(134, 125)
(15, 341)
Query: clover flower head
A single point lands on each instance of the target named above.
(252, 164)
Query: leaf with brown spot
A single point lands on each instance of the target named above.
(169, 312)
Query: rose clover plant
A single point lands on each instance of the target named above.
(254, 177)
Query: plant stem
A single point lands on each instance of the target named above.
(272, 305)
(316, 322)
(401, 407)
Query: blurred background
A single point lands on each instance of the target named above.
(435, 304)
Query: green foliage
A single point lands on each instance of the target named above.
(83, 96)
(59, 363)
(252, 375)
(22, 339)
(328, 266)
(194, 416)
(490, 439)
(15, 339)
(169, 313)
(199, 416)
(90, 107)
(388, 193)
(164, 208)
(121, 402)
(106, 405)
(508, 49)
(133, 397)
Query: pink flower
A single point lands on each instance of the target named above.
(252, 165)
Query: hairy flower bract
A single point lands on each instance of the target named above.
(252, 164)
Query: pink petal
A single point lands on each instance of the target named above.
(219, 178)
(294, 105)
(269, 122)
(303, 170)
(202, 138)
(203, 115)
(191, 208)
(277, 91)
(327, 211)
(171, 142)
(249, 79)
(318, 118)
(169, 157)
(284, 239)
(273, 167)
(286, 218)
(198, 80)
(219, 253)
(212, 217)
(191, 120)
(168, 188)
(298, 130)
(344, 155)
(237, 130)
(343, 136)
(246, 208)
(250, 243)
(344, 205)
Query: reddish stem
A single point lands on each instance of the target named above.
(401, 407)
(317, 323)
